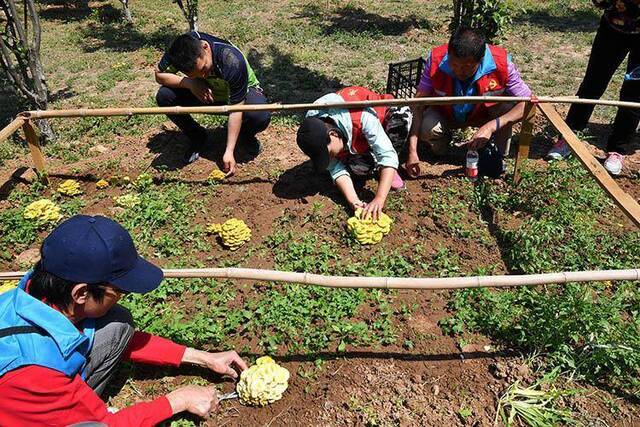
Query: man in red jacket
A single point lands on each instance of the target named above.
(466, 66)
(62, 334)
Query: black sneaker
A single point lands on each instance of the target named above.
(252, 146)
(193, 153)
(190, 157)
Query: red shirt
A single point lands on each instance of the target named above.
(37, 396)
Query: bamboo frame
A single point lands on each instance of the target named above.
(225, 109)
(426, 283)
(524, 143)
(11, 128)
(36, 152)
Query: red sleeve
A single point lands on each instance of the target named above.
(153, 350)
(36, 396)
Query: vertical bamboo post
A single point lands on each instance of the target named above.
(36, 151)
(524, 143)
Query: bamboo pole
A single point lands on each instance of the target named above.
(624, 201)
(11, 128)
(392, 282)
(524, 142)
(224, 109)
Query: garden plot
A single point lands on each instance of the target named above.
(356, 357)
(368, 356)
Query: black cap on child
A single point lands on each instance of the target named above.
(313, 138)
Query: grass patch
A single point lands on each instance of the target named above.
(564, 222)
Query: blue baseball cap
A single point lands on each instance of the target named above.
(96, 249)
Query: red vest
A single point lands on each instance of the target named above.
(492, 84)
(356, 93)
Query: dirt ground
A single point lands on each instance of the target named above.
(434, 383)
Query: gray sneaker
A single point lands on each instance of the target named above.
(559, 151)
(614, 163)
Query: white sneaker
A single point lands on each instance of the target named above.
(614, 163)
(559, 151)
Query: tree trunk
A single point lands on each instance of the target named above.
(20, 55)
(127, 11)
(189, 10)
(193, 22)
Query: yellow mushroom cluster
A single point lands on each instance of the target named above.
(70, 187)
(127, 201)
(143, 182)
(42, 211)
(121, 181)
(263, 383)
(7, 285)
(233, 232)
(103, 183)
(216, 175)
(367, 231)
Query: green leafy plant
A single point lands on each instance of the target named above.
(493, 17)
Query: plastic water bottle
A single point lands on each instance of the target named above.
(472, 165)
(633, 75)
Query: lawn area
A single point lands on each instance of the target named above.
(356, 357)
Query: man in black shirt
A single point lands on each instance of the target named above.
(216, 73)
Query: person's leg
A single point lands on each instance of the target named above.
(254, 122)
(434, 130)
(627, 119)
(171, 97)
(503, 135)
(607, 53)
(113, 333)
(397, 125)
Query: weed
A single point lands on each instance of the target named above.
(534, 405)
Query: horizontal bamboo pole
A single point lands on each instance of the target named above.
(224, 109)
(392, 282)
(11, 128)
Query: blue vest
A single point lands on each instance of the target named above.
(56, 343)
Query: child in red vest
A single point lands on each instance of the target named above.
(466, 66)
(344, 142)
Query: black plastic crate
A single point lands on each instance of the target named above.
(404, 77)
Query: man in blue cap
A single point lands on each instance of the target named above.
(62, 334)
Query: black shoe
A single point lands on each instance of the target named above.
(190, 157)
(252, 146)
(193, 153)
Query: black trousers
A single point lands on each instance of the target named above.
(609, 49)
(253, 122)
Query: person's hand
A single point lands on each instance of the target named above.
(412, 165)
(373, 208)
(358, 204)
(481, 137)
(228, 163)
(223, 363)
(201, 90)
(198, 400)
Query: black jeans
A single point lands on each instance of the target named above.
(609, 49)
(253, 122)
